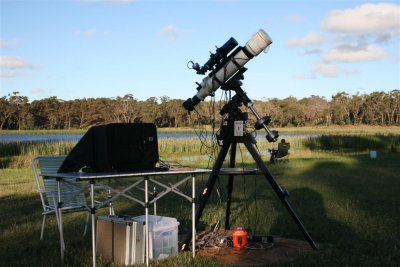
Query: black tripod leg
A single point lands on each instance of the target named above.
(230, 185)
(203, 198)
(278, 190)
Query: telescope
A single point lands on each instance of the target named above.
(224, 66)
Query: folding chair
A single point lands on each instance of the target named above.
(280, 154)
(72, 194)
(72, 191)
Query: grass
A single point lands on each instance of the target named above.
(347, 201)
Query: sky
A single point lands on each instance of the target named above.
(109, 48)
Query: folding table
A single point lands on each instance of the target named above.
(144, 177)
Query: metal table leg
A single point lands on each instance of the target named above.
(146, 207)
(93, 213)
(194, 215)
(60, 226)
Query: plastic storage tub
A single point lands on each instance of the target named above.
(163, 236)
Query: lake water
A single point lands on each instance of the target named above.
(76, 137)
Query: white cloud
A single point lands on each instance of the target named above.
(37, 91)
(326, 70)
(300, 76)
(171, 33)
(87, 33)
(310, 39)
(169, 29)
(331, 70)
(381, 19)
(314, 51)
(355, 54)
(8, 74)
(8, 44)
(357, 35)
(12, 62)
(293, 17)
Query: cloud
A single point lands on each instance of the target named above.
(349, 53)
(331, 70)
(171, 33)
(293, 17)
(37, 91)
(380, 20)
(302, 76)
(87, 33)
(11, 62)
(326, 69)
(356, 35)
(8, 44)
(310, 39)
(8, 74)
(314, 51)
(169, 29)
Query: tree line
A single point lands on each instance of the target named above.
(17, 112)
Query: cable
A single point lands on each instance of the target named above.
(259, 246)
(244, 189)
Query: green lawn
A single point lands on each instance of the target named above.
(348, 202)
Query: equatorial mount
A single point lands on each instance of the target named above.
(234, 84)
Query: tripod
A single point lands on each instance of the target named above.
(230, 141)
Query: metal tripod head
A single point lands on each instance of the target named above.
(232, 107)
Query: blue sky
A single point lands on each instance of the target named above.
(109, 48)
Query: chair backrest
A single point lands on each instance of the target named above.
(283, 149)
(71, 190)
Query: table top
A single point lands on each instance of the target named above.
(107, 175)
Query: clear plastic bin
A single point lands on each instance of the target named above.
(163, 238)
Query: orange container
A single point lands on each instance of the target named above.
(239, 238)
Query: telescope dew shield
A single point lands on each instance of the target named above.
(259, 42)
(211, 83)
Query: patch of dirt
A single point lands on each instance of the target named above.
(282, 250)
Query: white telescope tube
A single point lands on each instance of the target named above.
(258, 42)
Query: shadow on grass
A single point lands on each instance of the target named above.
(350, 208)
(20, 243)
(349, 205)
(389, 142)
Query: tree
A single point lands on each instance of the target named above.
(47, 114)
(340, 108)
(126, 109)
(6, 112)
(395, 106)
(377, 108)
(19, 108)
(176, 112)
(316, 109)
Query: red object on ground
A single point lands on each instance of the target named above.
(239, 238)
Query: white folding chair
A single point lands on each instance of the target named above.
(72, 191)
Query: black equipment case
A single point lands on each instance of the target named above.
(114, 147)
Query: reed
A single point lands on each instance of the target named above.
(35, 148)
(328, 130)
(192, 150)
